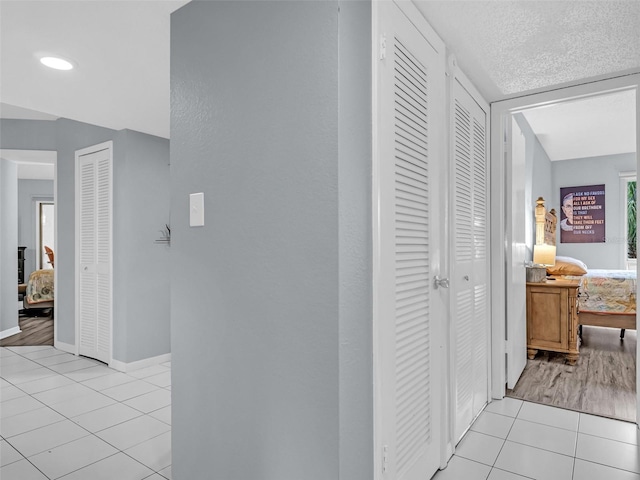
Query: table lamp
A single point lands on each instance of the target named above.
(544, 255)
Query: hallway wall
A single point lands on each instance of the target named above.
(141, 326)
(271, 298)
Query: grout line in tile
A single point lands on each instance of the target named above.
(604, 438)
(542, 449)
(88, 464)
(606, 465)
(153, 469)
(59, 445)
(546, 424)
(65, 417)
(519, 474)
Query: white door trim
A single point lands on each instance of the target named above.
(55, 237)
(625, 178)
(78, 154)
(37, 203)
(500, 112)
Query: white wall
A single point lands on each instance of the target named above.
(8, 245)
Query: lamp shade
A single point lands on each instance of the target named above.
(544, 254)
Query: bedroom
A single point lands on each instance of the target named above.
(567, 146)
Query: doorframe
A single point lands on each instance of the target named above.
(501, 112)
(625, 178)
(39, 201)
(108, 145)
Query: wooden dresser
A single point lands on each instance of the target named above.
(552, 317)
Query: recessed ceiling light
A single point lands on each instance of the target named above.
(57, 63)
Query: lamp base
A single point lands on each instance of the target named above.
(536, 274)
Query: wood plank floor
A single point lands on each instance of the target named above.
(35, 331)
(603, 381)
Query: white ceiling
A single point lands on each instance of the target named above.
(32, 164)
(598, 126)
(121, 48)
(510, 47)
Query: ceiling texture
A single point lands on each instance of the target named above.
(121, 52)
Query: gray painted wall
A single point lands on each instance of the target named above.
(545, 178)
(355, 237)
(30, 191)
(8, 245)
(65, 136)
(140, 203)
(268, 295)
(595, 171)
(141, 326)
(538, 180)
(70, 136)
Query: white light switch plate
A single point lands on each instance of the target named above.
(196, 209)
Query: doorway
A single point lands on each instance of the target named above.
(504, 322)
(36, 185)
(45, 234)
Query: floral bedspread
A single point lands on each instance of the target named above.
(612, 291)
(40, 287)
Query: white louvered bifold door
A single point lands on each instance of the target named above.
(93, 217)
(469, 259)
(409, 114)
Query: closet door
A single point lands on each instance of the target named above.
(469, 257)
(408, 308)
(93, 251)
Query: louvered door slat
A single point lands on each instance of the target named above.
(94, 225)
(412, 332)
(409, 162)
(462, 182)
(480, 192)
(470, 258)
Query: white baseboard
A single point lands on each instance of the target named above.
(137, 365)
(9, 332)
(65, 347)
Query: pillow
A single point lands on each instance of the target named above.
(567, 266)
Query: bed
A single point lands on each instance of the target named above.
(607, 298)
(40, 290)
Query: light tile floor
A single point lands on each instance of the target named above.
(516, 440)
(67, 417)
(73, 418)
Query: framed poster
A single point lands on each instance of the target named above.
(582, 214)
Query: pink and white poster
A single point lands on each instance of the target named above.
(582, 214)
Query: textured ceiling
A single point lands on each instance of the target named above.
(510, 47)
(121, 47)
